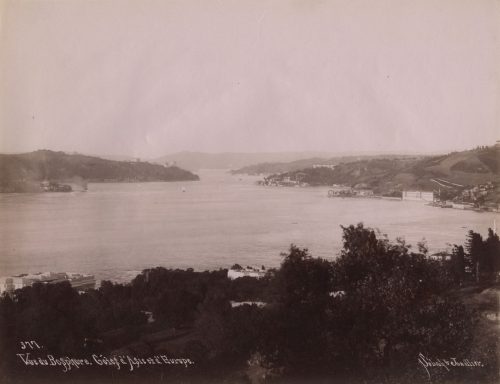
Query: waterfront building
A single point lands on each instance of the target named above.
(364, 192)
(78, 281)
(340, 190)
(418, 196)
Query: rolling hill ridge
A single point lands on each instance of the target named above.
(465, 168)
(24, 172)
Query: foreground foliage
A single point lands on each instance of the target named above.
(365, 316)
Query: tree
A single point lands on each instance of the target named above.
(211, 320)
(8, 335)
(294, 333)
(176, 307)
(393, 306)
(50, 314)
(475, 251)
(457, 264)
(492, 253)
(484, 255)
(236, 267)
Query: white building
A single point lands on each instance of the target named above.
(78, 281)
(9, 284)
(259, 304)
(364, 192)
(246, 272)
(418, 195)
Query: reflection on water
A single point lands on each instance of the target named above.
(116, 230)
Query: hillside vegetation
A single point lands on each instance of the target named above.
(271, 168)
(297, 165)
(363, 317)
(24, 172)
(384, 175)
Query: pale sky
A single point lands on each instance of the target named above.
(147, 78)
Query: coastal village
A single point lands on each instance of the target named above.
(445, 194)
(465, 198)
(466, 180)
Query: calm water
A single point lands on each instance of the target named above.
(116, 230)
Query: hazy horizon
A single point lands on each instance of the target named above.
(312, 153)
(152, 78)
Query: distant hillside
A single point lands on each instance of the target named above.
(228, 160)
(24, 172)
(273, 168)
(385, 175)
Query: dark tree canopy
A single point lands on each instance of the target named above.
(365, 315)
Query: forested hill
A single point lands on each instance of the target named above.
(465, 168)
(24, 172)
(281, 167)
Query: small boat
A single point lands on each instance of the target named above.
(183, 189)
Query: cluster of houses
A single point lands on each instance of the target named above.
(477, 192)
(457, 196)
(359, 190)
(78, 281)
(52, 186)
(284, 182)
(470, 198)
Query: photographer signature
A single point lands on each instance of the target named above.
(447, 364)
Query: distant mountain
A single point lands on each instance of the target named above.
(465, 168)
(229, 160)
(281, 167)
(24, 172)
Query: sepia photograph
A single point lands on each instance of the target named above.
(249, 191)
